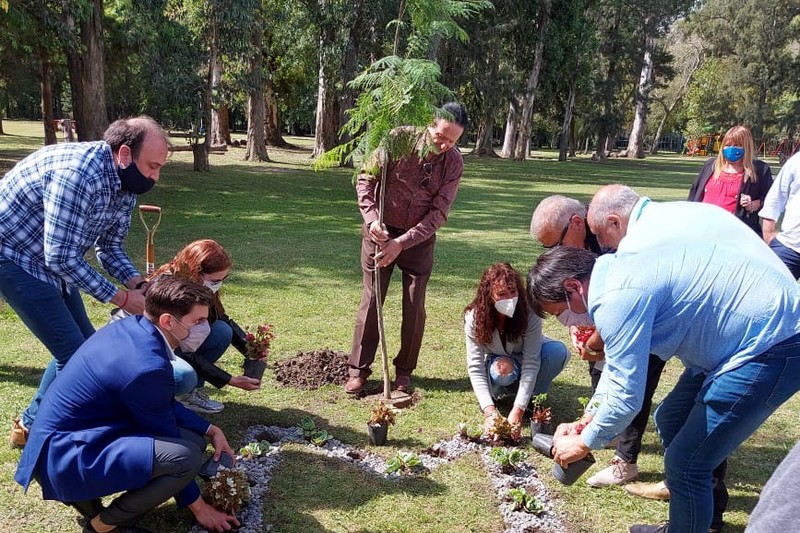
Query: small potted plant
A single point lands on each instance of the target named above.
(380, 417)
(228, 491)
(542, 416)
(258, 343)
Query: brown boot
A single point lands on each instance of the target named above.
(355, 385)
(19, 434)
(402, 383)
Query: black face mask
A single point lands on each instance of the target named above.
(134, 181)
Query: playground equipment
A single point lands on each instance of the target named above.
(704, 145)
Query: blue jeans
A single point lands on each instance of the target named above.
(554, 357)
(56, 316)
(185, 376)
(789, 257)
(213, 347)
(701, 425)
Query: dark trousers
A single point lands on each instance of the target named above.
(416, 264)
(630, 440)
(176, 463)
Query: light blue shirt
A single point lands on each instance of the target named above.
(688, 280)
(783, 197)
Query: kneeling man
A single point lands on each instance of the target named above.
(110, 424)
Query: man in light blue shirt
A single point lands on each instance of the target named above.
(783, 198)
(687, 280)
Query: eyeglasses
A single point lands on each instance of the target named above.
(560, 239)
(427, 168)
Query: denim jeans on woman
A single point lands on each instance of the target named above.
(554, 357)
(701, 425)
(55, 315)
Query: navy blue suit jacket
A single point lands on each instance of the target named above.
(94, 431)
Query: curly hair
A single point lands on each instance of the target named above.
(503, 276)
(204, 256)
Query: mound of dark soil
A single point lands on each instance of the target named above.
(312, 370)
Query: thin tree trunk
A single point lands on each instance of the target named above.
(325, 125)
(256, 133)
(349, 71)
(1, 125)
(566, 126)
(522, 147)
(511, 131)
(642, 97)
(47, 98)
(216, 77)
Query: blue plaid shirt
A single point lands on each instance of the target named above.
(58, 202)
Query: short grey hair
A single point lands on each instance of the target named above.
(554, 212)
(546, 277)
(616, 199)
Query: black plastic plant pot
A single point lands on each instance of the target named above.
(254, 368)
(377, 433)
(543, 443)
(575, 470)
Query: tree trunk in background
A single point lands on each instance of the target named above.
(256, 115)
(1, 125)
(566, 126)
(349, 67)
(511, 131)
(642, 97)
(273, 118)
(224, 125)
(483, 143)
(86, 75)
(216, 77)
(522, 146)
(47, 97)
(95, 120)
(325, 126)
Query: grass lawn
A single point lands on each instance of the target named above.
(294, 238)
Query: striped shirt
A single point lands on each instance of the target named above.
(55, 205)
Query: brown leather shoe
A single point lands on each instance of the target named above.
(355, 385)
(653, 491)
(19, 434)
(402, 383)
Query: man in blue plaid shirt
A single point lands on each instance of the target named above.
(54, 206)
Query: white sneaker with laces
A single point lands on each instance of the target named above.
(198, 401)
(617, 473)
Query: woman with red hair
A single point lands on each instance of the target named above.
(507, 356)
(206, 262)
(735, 180)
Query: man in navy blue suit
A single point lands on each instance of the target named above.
(110, 424)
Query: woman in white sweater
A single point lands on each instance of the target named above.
(506, 352)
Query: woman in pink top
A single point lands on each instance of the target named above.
(734, 180)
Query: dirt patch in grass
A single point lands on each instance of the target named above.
(312, 370)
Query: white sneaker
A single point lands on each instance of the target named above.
(199, 402)
(617, 473)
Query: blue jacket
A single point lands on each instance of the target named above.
(94, 431)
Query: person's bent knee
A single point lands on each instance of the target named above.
(503, 366)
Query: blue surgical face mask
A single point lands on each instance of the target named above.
(733, 153)
(133, 180)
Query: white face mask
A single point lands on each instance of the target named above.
(213, 286)
(568, 317)
(196, 336)
(507, 306)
